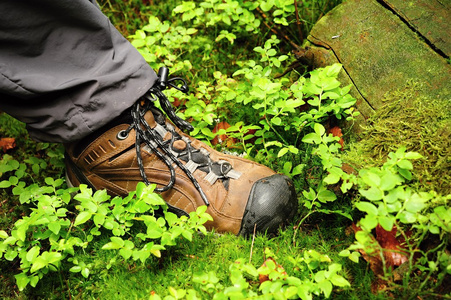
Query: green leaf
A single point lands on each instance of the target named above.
(126, 253)
(34, 280)
(330, 84)
(312, 138)
(326, 196)
(13, 180)
(367, 207)
(39, 263)
(290, 292)
(3, 234)
(22, 280)
(10, 254)
(99, 219)
(326, 287)
(287, 167)
(282, 152)
(75, 269)
(405, 164)
(187, 235)
(83, 217)
(339, 280)
(138, 43)
(407, 217)
(354, 256)
(371, 178)
(85, 272)
(386, 223)
(267, 5)
(5, 184)
(372, 193)
(413, 155)
(332, 178)
(314, 102)
(319, 129)
(310, 195)
(201, 209)
(119, 242)
(333, 70)
(389, 181)
(330, 95)
(54, 227)
(276, 121)
(271, 52)
(405, 173)
(298, 169)
(369, 222)
(415, 203)
(312, 89)
(33, 253)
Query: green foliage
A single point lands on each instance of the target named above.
(51, 234)
(317, 275)
(387, 201)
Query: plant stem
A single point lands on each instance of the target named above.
(299, 225)
(298, 21)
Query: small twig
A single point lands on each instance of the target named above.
(298, 22)
(274, 30)
(299, 225)
(322, 11)
(252, 245)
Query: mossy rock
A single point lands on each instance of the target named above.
(385, 44)
(395, 53)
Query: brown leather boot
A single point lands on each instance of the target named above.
(142, 145)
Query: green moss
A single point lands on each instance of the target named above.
(10, 127)
(421, 124)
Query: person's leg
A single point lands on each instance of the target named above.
(64, 69)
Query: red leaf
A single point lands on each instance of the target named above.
(263, 277)
(336, 131)
(177, 102)
(7, 144)
(393, 250)
(219, 139)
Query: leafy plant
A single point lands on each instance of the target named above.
(52, 233)
(317, 275)
(387, 201)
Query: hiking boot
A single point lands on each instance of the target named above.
(142, 145)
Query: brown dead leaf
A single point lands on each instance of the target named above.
(336, 131)
(177, 102)
(393, 252)
(393, 249)
(7, 144)
(219, 139)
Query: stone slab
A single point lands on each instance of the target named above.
(380, 53)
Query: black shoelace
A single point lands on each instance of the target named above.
(151, 137)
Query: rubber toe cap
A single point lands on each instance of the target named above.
(272, 203)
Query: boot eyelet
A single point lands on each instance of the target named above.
(122, 135)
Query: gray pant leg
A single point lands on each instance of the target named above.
(64, 69)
